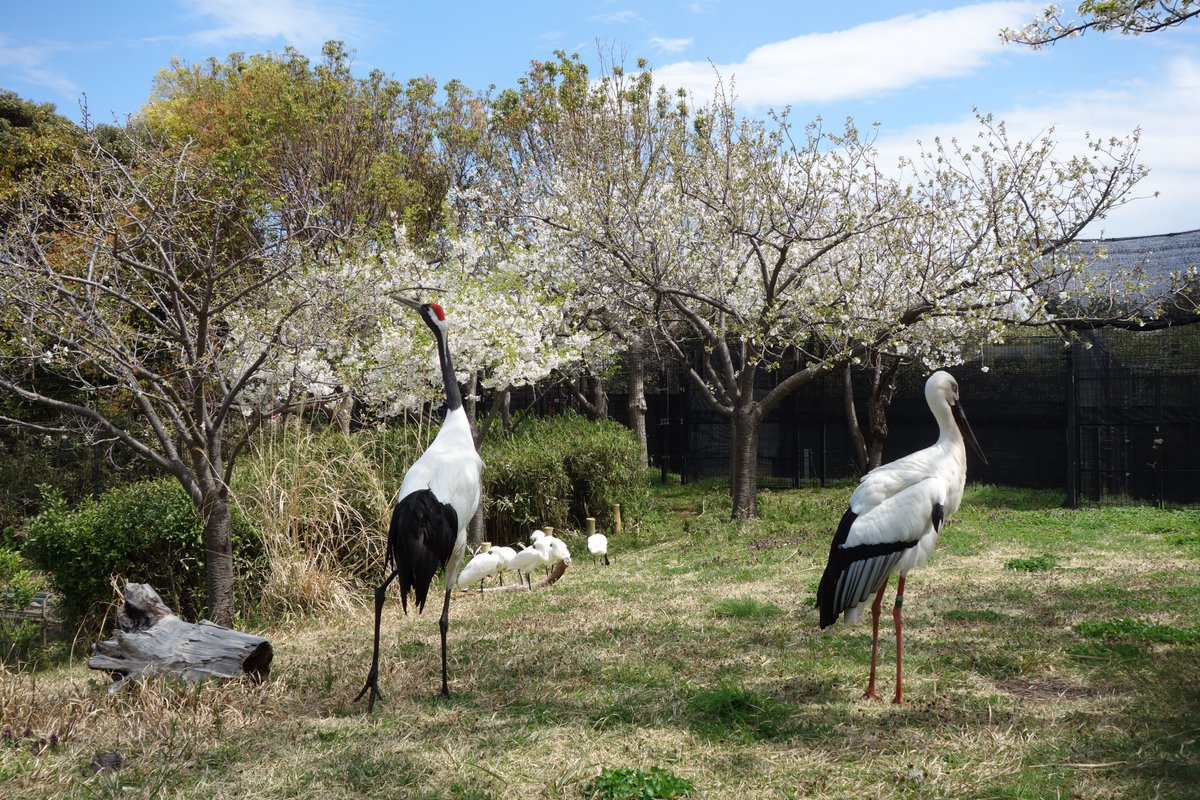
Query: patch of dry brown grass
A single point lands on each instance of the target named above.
(632, 665)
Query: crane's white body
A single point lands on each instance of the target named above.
(452, 470)
(894, 502)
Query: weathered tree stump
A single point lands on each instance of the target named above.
(152, 640)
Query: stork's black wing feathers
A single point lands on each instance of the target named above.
(420, 541)
(854, 573)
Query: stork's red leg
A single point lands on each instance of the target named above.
(898, 618)
(870, 694)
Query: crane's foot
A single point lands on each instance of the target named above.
(371, 689)
(899, 700)
(871, 694)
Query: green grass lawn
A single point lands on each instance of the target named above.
(1049, 653)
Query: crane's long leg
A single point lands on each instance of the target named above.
(898, 618)
(372, 683)
(870, 693)
(444, 625)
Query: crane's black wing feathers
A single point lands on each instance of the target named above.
(854, 573)
(420, 541)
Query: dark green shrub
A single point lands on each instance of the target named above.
(558, 471)
(147, 532)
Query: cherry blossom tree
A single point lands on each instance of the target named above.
(1133, 17)
(750, 245)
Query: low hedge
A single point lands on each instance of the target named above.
(559, 471)
(145, 532)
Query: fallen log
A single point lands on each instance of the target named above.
(150, 639)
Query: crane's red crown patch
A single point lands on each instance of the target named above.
(437, 309)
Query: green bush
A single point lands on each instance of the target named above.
(146, 532)
(18, 587)
(558, 471)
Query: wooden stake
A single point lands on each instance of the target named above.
(618, 526)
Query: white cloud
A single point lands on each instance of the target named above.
(670, 45)
(1165, 106)
(619, 17)
(29, 63)
(862, 61)
(304, 24)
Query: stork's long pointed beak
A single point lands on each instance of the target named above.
(960, 417)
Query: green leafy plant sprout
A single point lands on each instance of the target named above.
(634, 783)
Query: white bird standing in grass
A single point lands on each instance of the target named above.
(893, 522)
(537, 554)
(598, 546)
(439, 495)
(482, 565)
(505, 554)
(557, 551)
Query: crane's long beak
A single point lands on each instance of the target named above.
(413, 304)
(960, 417)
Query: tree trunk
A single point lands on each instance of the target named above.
(218, 562)
(857, 442)
(744, 480)
(151, 639)
(598, 404)
(637, 399)
(343, 413)
(883, 386)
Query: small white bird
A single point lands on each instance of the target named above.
(482, 565)
(535, 555)
(505, 554)
(557, 551)
(893, 522)
(598, 546)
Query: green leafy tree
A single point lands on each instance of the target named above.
(364, 151)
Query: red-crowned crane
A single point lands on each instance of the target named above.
(893, 522)
(439, 495)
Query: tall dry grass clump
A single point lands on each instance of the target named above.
(321, 500)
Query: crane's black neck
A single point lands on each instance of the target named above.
(453, 394)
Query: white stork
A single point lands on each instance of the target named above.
(893, 522)
(439, 495)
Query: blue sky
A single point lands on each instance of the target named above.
(916, 68)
